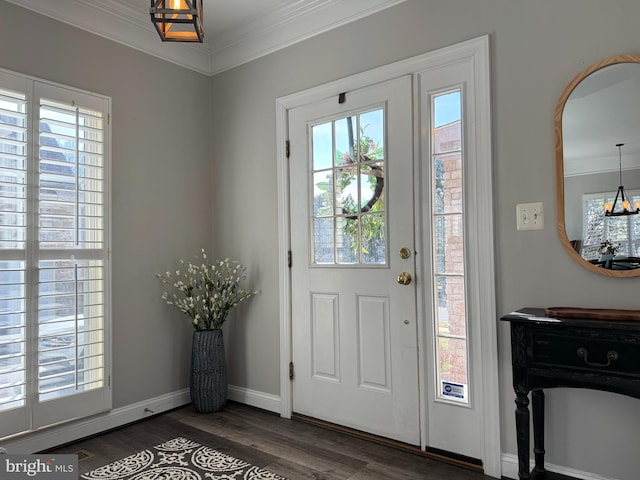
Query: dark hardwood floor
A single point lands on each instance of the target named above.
(291, 448)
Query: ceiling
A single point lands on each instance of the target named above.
(602, 111)
(236, 31)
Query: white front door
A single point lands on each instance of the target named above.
(393, 167)
(354, 326)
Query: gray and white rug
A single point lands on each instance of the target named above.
(180, 459)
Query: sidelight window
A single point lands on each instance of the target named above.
(448, 247)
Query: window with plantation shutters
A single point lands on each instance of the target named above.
(54, 311)
(623, 231)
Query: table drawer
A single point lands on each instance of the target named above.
(614, 355)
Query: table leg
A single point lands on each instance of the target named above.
(537, 405)
(522, 432)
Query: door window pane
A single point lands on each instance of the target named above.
(347, 238)
(322, 194)
(346, 190)
(373, 241)
(322, 146)
(349, 197)
(324, 241)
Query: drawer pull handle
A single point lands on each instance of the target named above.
(612, 356)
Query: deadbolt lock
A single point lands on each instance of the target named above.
(404, 278)
(404, 253)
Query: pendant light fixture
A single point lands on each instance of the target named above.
(625, 203)
(178, 20)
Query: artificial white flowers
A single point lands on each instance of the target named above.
(206, 292)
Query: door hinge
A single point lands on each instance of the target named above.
(287, 148)
(289, 258)
(109, 381)
(290, 370)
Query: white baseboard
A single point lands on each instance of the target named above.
(510, 469)
(70, 432)
(265, 401)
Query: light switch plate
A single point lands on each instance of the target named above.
(529, 216)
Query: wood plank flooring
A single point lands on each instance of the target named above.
(294, 449)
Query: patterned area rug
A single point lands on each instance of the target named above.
(180, 459)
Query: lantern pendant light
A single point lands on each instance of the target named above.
(625, 203)
(178, 20)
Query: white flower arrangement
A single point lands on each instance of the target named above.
(609, 248)
(206, 292)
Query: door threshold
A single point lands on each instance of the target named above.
(432, 453)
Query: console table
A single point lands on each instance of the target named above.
(547, 352)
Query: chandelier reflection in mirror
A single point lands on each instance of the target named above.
(178, 20)
(624, 208)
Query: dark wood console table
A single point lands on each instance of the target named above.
(566, 352)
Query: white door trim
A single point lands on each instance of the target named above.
(477, 51)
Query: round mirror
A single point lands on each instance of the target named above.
(597, 125)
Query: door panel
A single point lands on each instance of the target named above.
(374, 343)
(354, 325)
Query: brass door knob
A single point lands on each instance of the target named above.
(404, 278)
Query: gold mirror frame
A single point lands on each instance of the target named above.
(562, 231)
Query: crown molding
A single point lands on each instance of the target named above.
(287, 26)
(122, 22)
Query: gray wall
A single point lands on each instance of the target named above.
(161, 183)
(167, 203)
(537, 48)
